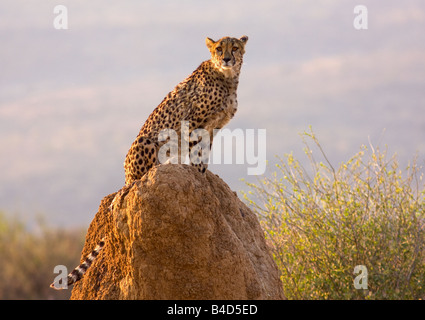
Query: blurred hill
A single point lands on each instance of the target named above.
(72, 101)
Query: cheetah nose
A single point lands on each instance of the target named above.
(226, 60)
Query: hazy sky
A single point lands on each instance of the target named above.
(72, 101)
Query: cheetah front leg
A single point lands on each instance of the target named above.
(199, 153)
(201, 167)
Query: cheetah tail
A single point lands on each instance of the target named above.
(79, 271)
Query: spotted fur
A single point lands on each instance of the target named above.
(206, 99)
(79, 271)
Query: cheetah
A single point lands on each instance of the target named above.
(206, 99)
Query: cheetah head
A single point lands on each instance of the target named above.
(227, 53)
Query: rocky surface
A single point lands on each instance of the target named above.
(179, 235)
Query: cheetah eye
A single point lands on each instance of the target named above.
(219, 49)
(235, 48)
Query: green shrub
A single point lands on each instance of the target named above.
(27, 259)
(322, 222)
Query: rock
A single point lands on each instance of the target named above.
(179, 235)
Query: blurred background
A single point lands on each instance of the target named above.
(72, 101)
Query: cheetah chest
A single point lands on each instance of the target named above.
(224, 114)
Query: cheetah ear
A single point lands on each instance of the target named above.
(209, 42)
(244, 39)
